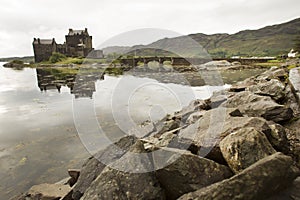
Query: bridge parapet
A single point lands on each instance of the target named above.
(188, 61)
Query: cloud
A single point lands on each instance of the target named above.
(23, 20)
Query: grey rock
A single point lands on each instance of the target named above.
(152, 143)
(217, 99)
(294, 80)
(169, 125)
(194, 106)
(187, 172)
(245, 147)
(74, 174)
(293, 135)
(291, 100)
(242, 85)
(273, 88)
(117, 184)
(215, 125)
(266, 177)
(183, 144)
(194, 117)
(273, 73)
(179, 118)
(259, 106)
(165, 139)
(235, 113)
(259, 83)
(291, 193)
(49, 192)
(93, 167)
(278, 137)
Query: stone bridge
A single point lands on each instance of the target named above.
(186, 61)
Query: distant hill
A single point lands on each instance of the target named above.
(26, 59)
(268, 41)
(115, 49)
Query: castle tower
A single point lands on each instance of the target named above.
(78, 43)
(43, 49)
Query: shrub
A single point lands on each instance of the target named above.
(57, 57)
(20, 62)
(78, 61)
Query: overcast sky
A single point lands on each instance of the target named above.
(22, 20)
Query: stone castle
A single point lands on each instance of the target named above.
(78, 44)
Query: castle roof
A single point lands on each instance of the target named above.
(43, 41)
(77, 32)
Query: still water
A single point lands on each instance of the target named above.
(50, 119)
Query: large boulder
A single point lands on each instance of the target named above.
(245, 147)
(294, 81)
(217, 98)
(278, 137)
(273, 73)
(168, 123)
(179, 118)
(243, 85)
(293, 135)
(194, 106)
(291, 193)
(254, 105)
(215, 125)
(137, 182)
(48, 192)
(273, 88)
(290, 100)
(194, 117)
(258, 182)
(187, 172)
(93, 167)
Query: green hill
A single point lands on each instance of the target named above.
(268, 41)
(271, 40)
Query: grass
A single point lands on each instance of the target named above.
(291, 67)
(271, 63)
(60, 72)
(275, 61)
(20, 62)
(268, 64)
(77, 61)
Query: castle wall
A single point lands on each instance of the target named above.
(42, 52)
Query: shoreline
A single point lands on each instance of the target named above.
(212, 65)
(257, 145)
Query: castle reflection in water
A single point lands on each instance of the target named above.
(81, 85)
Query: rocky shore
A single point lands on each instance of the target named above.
(242, 143)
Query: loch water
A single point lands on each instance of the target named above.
(53, 119)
